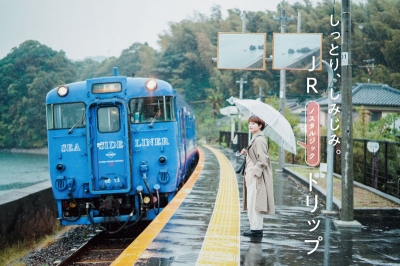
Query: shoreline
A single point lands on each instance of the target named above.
(42, 151)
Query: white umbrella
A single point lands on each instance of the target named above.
(278, 128)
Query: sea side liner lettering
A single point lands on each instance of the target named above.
(151, 142)
(110, 145)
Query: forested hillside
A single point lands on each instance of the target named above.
(29, 71)
(26, 75)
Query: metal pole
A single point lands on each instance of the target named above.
(329, 149)
(244, 22)
(347, 212)
(241, 79)
(232, 128)
(365, 161)
(282, 91)
(386, 166)
(241, 82)
(298, 21)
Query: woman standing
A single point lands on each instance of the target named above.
(258, 193)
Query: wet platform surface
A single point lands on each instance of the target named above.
(293, 236)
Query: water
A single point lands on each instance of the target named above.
(292, 41)
(234, 50)
(18, 170)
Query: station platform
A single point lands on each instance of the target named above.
(204, 222)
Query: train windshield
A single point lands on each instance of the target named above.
(108, 119)
(67, 115)
(152, 109)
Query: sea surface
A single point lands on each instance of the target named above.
(20, 170)
(284, 58)
(234, 50)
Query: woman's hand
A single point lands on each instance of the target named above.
(243, 152)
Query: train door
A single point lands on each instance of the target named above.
(110, 161)
(183, 114)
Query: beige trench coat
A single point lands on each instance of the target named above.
(262, 170)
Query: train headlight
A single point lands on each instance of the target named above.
(151, 84)
(62, 91)
(146, 200)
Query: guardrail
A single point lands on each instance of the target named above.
(379, 170)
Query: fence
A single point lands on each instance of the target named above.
(379, 170)
(242, 139)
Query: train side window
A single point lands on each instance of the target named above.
(108, 119)
(65, 115)
(145, 110)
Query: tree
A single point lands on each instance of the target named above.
(391, 51)
(185, 61)
(86, 69)
(26, 75)
(215, 99)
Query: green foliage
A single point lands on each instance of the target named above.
(32, 69)
(223, 142)
(26, 75)
(138, 60)
(383, 129)
(86, 69)
(208, 130)
(215, 99)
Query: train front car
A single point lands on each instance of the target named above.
(119, 149)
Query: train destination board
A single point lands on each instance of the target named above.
(106, 87)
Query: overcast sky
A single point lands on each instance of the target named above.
(84, 28)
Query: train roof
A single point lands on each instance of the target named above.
(130, 88)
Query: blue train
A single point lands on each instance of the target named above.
(119, 148)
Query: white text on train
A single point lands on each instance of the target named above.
(151, 142)
(109, 145)
(70, 147)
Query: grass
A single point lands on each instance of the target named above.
(11, 255)
(362, 198)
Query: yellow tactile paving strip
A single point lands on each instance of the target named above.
(133, 252)
(221, 245)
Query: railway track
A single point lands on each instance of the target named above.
(102, 248)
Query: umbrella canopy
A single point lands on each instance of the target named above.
(278, 128)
